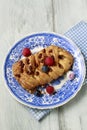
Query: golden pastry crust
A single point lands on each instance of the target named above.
(28, 71)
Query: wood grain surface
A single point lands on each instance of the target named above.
(19, 18)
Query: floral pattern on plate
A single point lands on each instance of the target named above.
(68, 90)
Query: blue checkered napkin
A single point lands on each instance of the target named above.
(39, 114)
(78, 34)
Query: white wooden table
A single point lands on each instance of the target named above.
(19, 18)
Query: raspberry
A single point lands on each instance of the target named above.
(26, 52)
(49, 61)
(50, 89)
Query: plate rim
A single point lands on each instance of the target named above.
(55, 105)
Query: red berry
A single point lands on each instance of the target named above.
(26, 52)
(49, 61)
(50, 89)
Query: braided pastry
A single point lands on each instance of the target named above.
(28, 71)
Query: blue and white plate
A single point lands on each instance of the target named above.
(68, 89)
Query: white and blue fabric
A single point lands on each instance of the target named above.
(78, 34)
